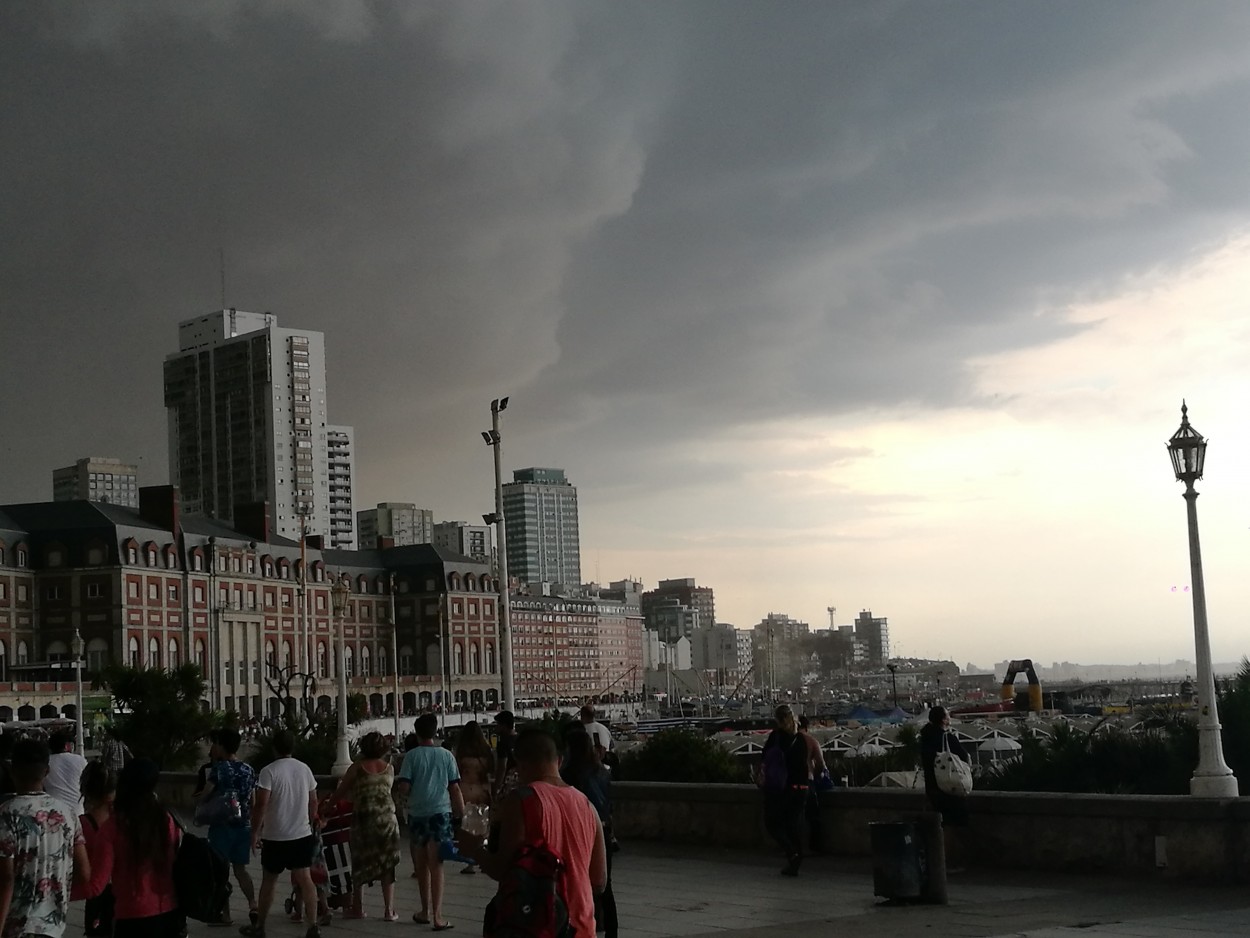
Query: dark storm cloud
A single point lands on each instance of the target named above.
(645, 222)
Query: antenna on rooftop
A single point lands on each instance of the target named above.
(221, 263)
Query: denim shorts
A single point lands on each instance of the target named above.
(233, 843)
(433, 829)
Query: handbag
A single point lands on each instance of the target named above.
(222, 808)
(953, 774)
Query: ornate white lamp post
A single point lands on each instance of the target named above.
(1212, 778)
(343, 758)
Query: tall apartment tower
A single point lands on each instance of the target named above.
(471, 540)
(402, 522)
(341, 462)
(97, 479)
(540, 521)
(686, 593)
(874, 633)
(246, 401)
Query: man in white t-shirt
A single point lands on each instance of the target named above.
(282, 829)
(65, 767)
(597, 731)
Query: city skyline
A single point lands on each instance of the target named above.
(874, 306)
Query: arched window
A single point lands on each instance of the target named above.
(364, 660)
(171, 654)
(171, 557)
(97, 655)
(453, 581)
(199, 654)
(323, 664)
(286, 653)
(132, 553)
(470, 583)
(474, 662)
(132, 649)
(23, 653)
(362, 584)
(4, 662)
(347, 662)
(154, 653)
(57, 651)
(150, 550)
(406, 663)
(319, 572)
(382, 671)
(490, 658)
(457, 658)
(197, 559)
(284, 569)
(271, 657)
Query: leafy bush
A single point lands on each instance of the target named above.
(1157, 759)
(680, 755)
(1235, 718)
(165, 722)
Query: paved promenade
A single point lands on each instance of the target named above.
(661, 891)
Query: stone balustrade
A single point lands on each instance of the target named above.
(1138, 835)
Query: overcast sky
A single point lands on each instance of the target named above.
(874, 305)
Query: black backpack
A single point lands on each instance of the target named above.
(201, 879)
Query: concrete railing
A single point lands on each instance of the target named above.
(1155, 835)
(1132, 834)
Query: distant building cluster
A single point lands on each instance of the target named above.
(230, 567)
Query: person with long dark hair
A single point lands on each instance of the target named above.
(584, 770)
(934, 737)
(375, 829)
(137, 847)
(99, 788)
(785, 778)
(476, 761)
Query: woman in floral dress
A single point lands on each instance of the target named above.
(375, 829)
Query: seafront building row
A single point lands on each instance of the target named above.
(157, 587)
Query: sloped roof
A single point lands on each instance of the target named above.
(10, 528)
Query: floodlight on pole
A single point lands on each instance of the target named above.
(1212, 778)
(494, 440)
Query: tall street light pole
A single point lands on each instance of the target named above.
(1212, 778)
(78, 731)
(494, 441)
(894, 682)
(343, 757)
(395, 658)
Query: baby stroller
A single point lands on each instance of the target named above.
(332, 862)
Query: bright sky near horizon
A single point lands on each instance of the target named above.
(885, 305)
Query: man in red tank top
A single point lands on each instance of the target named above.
(544, 806)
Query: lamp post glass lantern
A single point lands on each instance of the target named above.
(343, 756)
(1212, 778)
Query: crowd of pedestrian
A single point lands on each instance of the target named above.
(97, 831)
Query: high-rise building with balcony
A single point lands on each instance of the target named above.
(469, 540)
(874, 633)
(341, 461)
(246, 401)
(97, 479)
(402, 523)
(658, 604)
(540, 520)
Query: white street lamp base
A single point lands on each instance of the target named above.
(343, 761)
(1213, 786)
